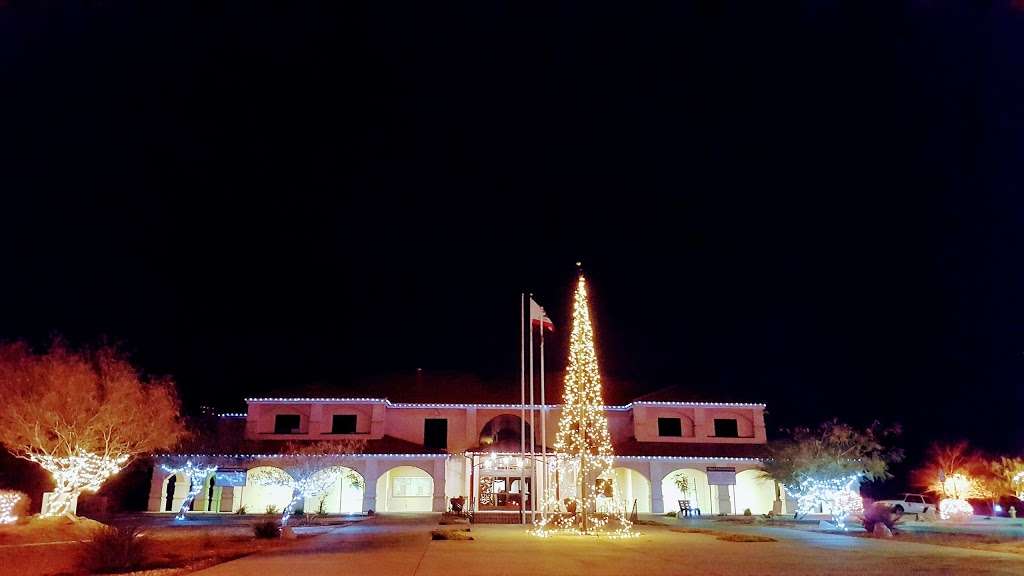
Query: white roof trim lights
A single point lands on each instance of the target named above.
(391, 404)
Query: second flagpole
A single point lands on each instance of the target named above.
(522, 405)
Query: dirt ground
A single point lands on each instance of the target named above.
(54, 546)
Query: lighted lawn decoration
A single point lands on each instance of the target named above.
(8, 501)
(82, 416)
(196, 473)
(583, 445)
(822, 468)
(312, 471)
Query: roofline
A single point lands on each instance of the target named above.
(421, 455)
(390, 404)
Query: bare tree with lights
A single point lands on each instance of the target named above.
(583, 444)
(82, 416)
(821, 467)
(310, 470)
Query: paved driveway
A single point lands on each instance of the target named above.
(401, 546)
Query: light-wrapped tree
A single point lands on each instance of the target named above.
(583, 444)
(822, 467)
(81, 415)
(310, 470)
(955, 474)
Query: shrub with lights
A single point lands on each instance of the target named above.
(583, 463)
(10, 502)
(956, 488)
(82, 416)
(822, 468)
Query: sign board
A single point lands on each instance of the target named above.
(228, 477)
(721, 476)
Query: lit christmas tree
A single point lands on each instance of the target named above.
(585, 500)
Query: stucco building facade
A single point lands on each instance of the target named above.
(420, 456)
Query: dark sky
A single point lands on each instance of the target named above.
(817, 205)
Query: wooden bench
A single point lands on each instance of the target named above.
(686, 510)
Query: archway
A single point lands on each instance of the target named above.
(633, 486)
(697, 490)
(754, 492)
(257, 499)
(208, 500)
(345, 495)
(405, 489)
(173, 492)
(503, 433)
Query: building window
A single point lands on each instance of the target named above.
(435, 433)
(287, 423)
(670, 427)
(343, 424)
(726, 428)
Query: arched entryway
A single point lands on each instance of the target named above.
(754, 492)
(175, 488)
(503, 433)
(405, 489)
(632, 486)
(345, 495)
(696, 490)
(258, 499)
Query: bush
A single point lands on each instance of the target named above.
(241, 510)
(747, 512)
(114, 550)
(20, 508)
(266, 530)
(879, 513)
(271, 509)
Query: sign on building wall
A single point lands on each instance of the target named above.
(721, 476)
(405, 487)
(229, 477)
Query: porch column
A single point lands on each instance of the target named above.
(370, 477)
(439, 504)
(156, 490)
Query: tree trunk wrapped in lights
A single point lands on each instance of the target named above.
(81, 416)
(197, 475)
(583, 444)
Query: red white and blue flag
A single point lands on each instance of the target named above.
(538, 317)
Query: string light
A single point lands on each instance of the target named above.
(74, 474)
(421, 405)
(197, 476)
(8, 500)
(584, 450)
(956, 509)
(837, 495)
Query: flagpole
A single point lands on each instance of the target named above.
(543, 419)
(533, 408)
(522, 405)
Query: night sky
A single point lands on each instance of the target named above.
(817, 205)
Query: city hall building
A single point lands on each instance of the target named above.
(418, 456)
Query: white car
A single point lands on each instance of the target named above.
(908, 504)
